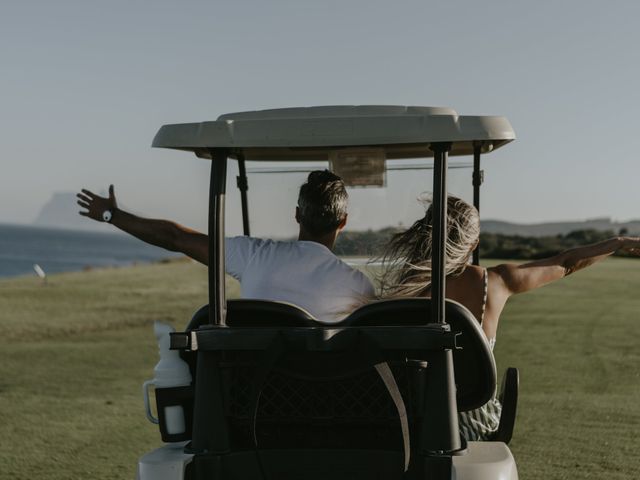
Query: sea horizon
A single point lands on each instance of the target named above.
(58, 250)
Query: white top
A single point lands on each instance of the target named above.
(304, 273)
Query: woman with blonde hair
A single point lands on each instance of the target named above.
(483, 291)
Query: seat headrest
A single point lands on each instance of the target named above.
(245, 312)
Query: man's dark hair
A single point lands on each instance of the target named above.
(322, 202)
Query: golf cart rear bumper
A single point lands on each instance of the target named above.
(481, 461)
(165, 463)
(485, 461)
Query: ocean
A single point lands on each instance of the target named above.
(68, 250)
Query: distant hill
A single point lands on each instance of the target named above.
(61, 211)
(558, 228)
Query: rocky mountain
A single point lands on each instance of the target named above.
(61, 211)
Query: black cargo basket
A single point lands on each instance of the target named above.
(350, 409)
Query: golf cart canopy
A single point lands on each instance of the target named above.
(313, 133)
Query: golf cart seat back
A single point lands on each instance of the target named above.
(475, 369)
(292, 398)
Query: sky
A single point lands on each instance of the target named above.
(86, 84)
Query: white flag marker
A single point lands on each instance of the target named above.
(40, 272)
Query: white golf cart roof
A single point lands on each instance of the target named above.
(312, 133)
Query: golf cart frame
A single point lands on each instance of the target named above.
(428, 357)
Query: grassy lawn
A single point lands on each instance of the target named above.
(576, 345)
(74, 353)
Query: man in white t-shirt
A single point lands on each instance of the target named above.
(304, 272)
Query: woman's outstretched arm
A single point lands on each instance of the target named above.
(520, 278)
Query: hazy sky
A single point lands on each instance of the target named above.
(86, 84)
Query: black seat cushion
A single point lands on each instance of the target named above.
(475, 369)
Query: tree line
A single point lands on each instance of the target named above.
(371, 243)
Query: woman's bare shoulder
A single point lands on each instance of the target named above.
(471, 277)
(473, 272)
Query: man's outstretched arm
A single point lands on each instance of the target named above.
(162, 233)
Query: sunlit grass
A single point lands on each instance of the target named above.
(74, 353)
(576, 345)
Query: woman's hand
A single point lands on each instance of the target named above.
(630, 245)
(95, 204)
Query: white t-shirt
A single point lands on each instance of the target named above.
(304, 273)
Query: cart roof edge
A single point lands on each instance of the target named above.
(312, 133)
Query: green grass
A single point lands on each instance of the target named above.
(74, 353)
(576, 345)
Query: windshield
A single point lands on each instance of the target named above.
(273, 193)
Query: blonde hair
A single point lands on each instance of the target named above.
(407, 257)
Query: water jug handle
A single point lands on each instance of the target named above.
(147, 404)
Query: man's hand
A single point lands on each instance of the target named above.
(161, 233)
(95, 204)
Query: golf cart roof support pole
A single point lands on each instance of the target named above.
(439, 230)
(478, 178)
(243, 186)
(440, 436)
(217, 187)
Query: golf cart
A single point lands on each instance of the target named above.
(272, 393)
